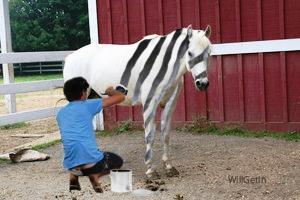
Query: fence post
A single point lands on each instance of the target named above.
(8, 69)
(40, 65)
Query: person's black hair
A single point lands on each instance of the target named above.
(74, 87)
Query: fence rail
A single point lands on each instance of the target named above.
(14, 88)
(28, 115)
(38, 68)
(27, 57)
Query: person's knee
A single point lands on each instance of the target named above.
(120, 163)
(115, 161)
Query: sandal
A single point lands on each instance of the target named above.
(74, 187)
(74, 183)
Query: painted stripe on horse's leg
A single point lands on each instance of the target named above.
(150, 129)
(166, 117)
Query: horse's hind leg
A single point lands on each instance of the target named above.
(166, 118)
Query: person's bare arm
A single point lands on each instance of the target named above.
(115, 97)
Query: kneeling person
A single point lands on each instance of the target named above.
(81, 153)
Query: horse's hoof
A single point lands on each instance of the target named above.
(153, 175)
(172, 172)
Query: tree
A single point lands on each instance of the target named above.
(48, 25)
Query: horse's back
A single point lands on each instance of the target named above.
(101, 65)
(92, 58)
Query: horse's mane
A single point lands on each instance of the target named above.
(151, 36)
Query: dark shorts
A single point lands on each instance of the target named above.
(110, 161)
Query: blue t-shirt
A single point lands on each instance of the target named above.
(77, 133)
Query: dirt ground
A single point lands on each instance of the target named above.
(26, 102)
(205, 163)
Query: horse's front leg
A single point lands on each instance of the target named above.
(150, 128)
(166, 118)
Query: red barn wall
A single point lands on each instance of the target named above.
(257, 91)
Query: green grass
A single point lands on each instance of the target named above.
(46, 145)
(35, 77)
(201, 126)
(13, 126)
(126, 127)
(104, 133)
(4, 161)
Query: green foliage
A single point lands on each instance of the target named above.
(201, 126)
(40, 25)
(103, 133)
(123, 128)
(126, 127)
(45, 145)
(13, 126)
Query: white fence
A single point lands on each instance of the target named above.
(14, 88)
(6, 57)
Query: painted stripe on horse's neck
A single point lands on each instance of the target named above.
(159, 77)
(147, 68)
(181, 52)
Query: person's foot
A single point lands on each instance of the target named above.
(74, 182)
(94, 178)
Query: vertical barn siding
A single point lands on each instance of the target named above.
(209, 15)
(195, 101)
(136, 30)
(292, 30)
(272, 65)
(259, 91)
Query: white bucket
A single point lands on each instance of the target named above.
(121, 180)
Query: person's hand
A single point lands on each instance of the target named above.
(115, 97)
(110, 91)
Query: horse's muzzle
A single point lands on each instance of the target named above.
(201, 85)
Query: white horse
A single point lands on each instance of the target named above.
(152, 70)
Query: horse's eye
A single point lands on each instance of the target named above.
(190, 54)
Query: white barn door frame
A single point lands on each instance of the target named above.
(93, 24)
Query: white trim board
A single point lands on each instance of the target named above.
(93, 21)
(28, 115)
(15, 88)
(27, 57)
(256, 47)
(217, 49)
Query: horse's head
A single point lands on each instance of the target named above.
(197, 56)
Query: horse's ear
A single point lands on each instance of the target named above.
(208, 31)
(190, 31)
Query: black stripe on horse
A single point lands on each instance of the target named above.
(138, 52)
